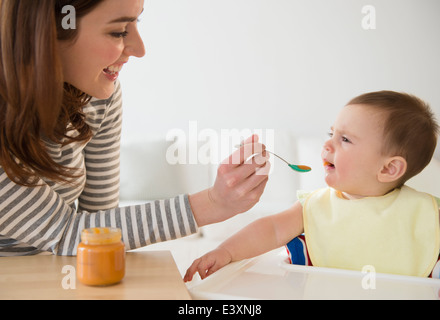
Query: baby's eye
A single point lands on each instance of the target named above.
(330, 134)
(344, 139)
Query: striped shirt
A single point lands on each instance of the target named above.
(50, 217)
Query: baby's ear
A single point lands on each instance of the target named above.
(393, 169)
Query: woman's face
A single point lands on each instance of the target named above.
(107, 37)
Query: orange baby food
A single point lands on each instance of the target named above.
(100, 257)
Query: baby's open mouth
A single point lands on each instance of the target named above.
(328, 164)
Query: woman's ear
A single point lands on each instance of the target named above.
(393, 169)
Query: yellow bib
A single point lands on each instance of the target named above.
(396, 233)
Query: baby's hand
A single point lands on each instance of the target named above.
(208, 264)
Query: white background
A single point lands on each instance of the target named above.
(275, 64)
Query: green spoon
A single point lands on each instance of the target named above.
(299, 168)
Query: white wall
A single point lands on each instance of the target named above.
(275, 64)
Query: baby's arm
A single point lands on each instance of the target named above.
(257, 238)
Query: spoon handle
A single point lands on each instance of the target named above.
(299, 168)
(278, 156)
(241, 144)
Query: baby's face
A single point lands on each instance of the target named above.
(352, 156)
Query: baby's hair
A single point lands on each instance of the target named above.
(410, 128)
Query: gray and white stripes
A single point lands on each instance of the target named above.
(50, 217)
(145, 224)
(141, 225)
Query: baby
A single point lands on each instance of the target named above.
(366, 216)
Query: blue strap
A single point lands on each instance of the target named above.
(296, 252)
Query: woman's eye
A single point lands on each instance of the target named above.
(119, 35)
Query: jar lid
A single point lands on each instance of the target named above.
(97, 236)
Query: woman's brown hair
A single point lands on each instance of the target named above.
(410, 128)
(35, 104)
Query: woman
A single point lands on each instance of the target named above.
(59, 147)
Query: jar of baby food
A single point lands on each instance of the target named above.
(100, 257)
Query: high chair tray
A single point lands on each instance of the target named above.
(270, 277)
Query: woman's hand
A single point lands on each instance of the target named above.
(240, 182)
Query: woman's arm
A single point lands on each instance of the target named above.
(38, 219)
(257, 238)
(45, 218)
